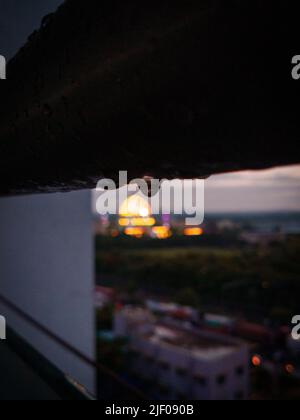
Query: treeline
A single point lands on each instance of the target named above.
(260, 281)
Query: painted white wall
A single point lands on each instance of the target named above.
(46, 268)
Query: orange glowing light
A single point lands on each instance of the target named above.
(134, 231)
(193, 231)
(147, 221)
(135, 206)
(256, 361)
(137, 222)
(162, 232)
(290, 369)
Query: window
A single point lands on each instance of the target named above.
(135, 354)
(163, 390)
(201, 380)
(149, 360)
(221, 379)
(182, 397)
(239, 396)
(164, 365)
(181, 372)
(240, 371)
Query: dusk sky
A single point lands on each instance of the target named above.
(270, 190)
(18, 19)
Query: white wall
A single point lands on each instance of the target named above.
(46, 268)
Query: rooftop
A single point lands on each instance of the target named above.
(203, 346)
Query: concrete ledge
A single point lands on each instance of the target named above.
(187, 89)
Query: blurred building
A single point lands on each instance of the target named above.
(135, 219)
(293, 345)
(262, 238)
(103, 296)
(227, 225)
(183, 363)
(173, 310)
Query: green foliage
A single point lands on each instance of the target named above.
(260, 282)
(188, 297)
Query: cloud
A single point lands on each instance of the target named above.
(269, 190)
(286, 176)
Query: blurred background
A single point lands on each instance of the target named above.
(205, 312)
(142, 306)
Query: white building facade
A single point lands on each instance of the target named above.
(186, 364)
(47, 271)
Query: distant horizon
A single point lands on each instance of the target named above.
(245, 212)
(271, 190)
(274, 190)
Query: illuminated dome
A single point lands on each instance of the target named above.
(135, 206)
